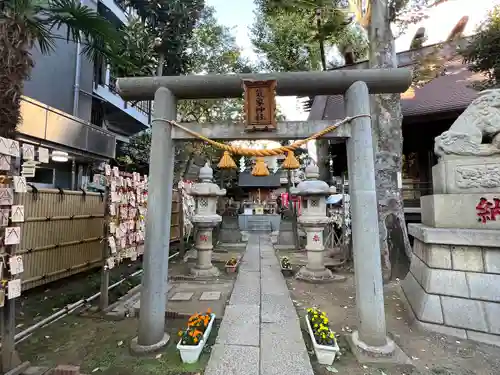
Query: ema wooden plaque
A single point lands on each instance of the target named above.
(260, 105)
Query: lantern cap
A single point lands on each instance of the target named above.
(206, 173)
(312, 171)
(312, 186)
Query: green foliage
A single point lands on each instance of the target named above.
(137, 47)
(172, 21)
(286, 41)
(327, 19)
(292, 33)
(483, 52)
(135, 154)
(40, 20)
(25, 24)
(212, 48)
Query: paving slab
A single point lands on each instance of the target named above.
(233, 359)
(246, 289)
(260, 332)
(210, 296)
(274, 283)
(250, 263)
(277, 308)
(282, 352)
(181, 296)
(240, 325)
(195, 304)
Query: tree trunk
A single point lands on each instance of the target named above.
(321, 39)
(15, 68)
(322, 145)
(181, 173)
(323, 155)
(388, 147)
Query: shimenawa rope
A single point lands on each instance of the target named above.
(260, 168)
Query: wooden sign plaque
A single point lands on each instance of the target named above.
(260, 105)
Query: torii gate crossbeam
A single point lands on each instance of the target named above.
(355, 85)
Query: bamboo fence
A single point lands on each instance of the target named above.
(62, 233)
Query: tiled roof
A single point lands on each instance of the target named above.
(445, 93)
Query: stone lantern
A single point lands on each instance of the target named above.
(314, 220)
(205, 220)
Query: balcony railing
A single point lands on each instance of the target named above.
(142, 106)
(121, 4)
(118, 11)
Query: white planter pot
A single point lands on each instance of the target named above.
(325, 354)
(191, 353)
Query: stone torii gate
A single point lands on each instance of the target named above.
(355, 85)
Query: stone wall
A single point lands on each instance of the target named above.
(454, 282)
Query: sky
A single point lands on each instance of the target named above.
(238, 14)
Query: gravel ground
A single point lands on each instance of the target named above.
(430, 353)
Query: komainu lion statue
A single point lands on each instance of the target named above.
(481, 120)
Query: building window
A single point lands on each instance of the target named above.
(97, 112)
(459, 28)
(419, 39)
(43, 176)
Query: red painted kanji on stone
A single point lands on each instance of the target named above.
(316, 238)
(204, 238)
(488, 211)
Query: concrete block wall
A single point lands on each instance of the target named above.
(455, 289)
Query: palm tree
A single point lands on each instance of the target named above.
(25, 24)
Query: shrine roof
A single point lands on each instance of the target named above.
(246, 180)
(448, 92)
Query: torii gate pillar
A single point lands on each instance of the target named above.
(356, 85)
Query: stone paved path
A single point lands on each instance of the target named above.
(260, 332)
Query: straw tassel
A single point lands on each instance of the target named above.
(226, 162)
(291, 161)
(260, 168)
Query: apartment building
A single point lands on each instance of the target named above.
(70, 105)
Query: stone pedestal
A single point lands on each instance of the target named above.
(274, 237)
(205, 220)
(244, 236)
(314, 220)
(458, 211)
(315, 269)
(204, 267)
(453, 286)
(466, 174)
